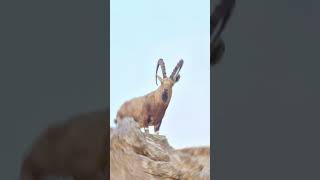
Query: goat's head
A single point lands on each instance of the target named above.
(168, 82)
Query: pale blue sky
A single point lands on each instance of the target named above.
(142, 31)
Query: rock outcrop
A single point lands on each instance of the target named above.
(135, 155)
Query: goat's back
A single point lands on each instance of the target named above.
(134, 108)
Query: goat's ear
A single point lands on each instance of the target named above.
(159, 78)
(176, 79)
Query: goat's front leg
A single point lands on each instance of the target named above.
(157, 128)
(146, 123)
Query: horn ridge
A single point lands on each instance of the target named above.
(163, 69)
(177, 69)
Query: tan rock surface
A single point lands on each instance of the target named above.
(138, 156)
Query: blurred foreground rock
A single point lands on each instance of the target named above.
(138, 156)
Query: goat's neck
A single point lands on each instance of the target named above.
(163, 95)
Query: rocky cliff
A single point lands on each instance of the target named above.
(135, 155)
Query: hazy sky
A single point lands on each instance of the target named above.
(142, 31)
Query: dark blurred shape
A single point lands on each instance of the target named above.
(75, 148)
(218, 21)
(54, 62)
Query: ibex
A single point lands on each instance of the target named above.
(220, 15)
(149, 110)
(75, 149)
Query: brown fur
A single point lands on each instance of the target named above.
(75, 148)
(149, 110)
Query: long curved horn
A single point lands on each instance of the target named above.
(177, 69)
(163, 68)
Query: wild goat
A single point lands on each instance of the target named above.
(149, 110)
(76, 148)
